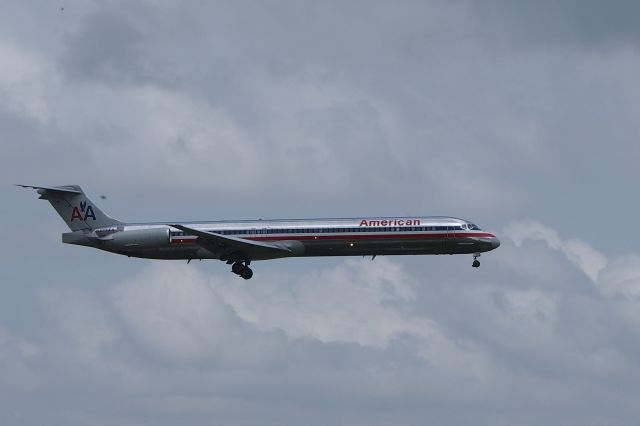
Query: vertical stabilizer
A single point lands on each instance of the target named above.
(73, 206)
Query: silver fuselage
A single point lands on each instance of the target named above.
(314, 237)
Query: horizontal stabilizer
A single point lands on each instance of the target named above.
(71, 189)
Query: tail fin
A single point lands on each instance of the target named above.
(74, 207)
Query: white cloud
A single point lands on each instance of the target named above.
(581, 254)
(172, 334)
(15, 355)
(26, 78)
(622, 277)
(424, 107)
(354, 302)
(370, 303)
(85, 323)
(617, 277)
(183, 316)
(173, 311)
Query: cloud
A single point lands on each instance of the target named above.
(15, 371)
(180, 340)
(493, 111)
(584, 24)
(353, 302)
(24, 83)
(622, 277)
(362, 302)
(184, 316)
(107, 48)
(589, 260)
(612, 278)
(136, 101)
(174, 312)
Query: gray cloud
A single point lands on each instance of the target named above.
(350, 341)
(585, 24)
(494, 112)
(107, 48)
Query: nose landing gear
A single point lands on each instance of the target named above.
(242, 269)
(476, 262)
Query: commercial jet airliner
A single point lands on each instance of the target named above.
(240, 242)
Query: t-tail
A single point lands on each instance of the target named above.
(73, 206)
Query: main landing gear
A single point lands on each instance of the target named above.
(476, 262)
(242, 269)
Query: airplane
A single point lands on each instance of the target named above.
(240, 242)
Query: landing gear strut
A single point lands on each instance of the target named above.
(242, 269)
(476, 262)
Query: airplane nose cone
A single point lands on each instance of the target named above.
(495, 242)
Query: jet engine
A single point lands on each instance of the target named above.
(141, 238)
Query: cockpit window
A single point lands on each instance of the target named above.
(473, 227)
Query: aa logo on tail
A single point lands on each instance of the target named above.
(84, 208)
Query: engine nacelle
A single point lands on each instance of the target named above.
(141, 238)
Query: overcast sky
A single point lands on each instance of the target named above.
(521, 116)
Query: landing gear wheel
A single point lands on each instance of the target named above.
(247, 273)
(476, 263)
(242, 270)
(237, 268)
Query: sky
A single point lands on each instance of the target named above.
(521, 116)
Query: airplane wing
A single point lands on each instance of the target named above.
(233, 248)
